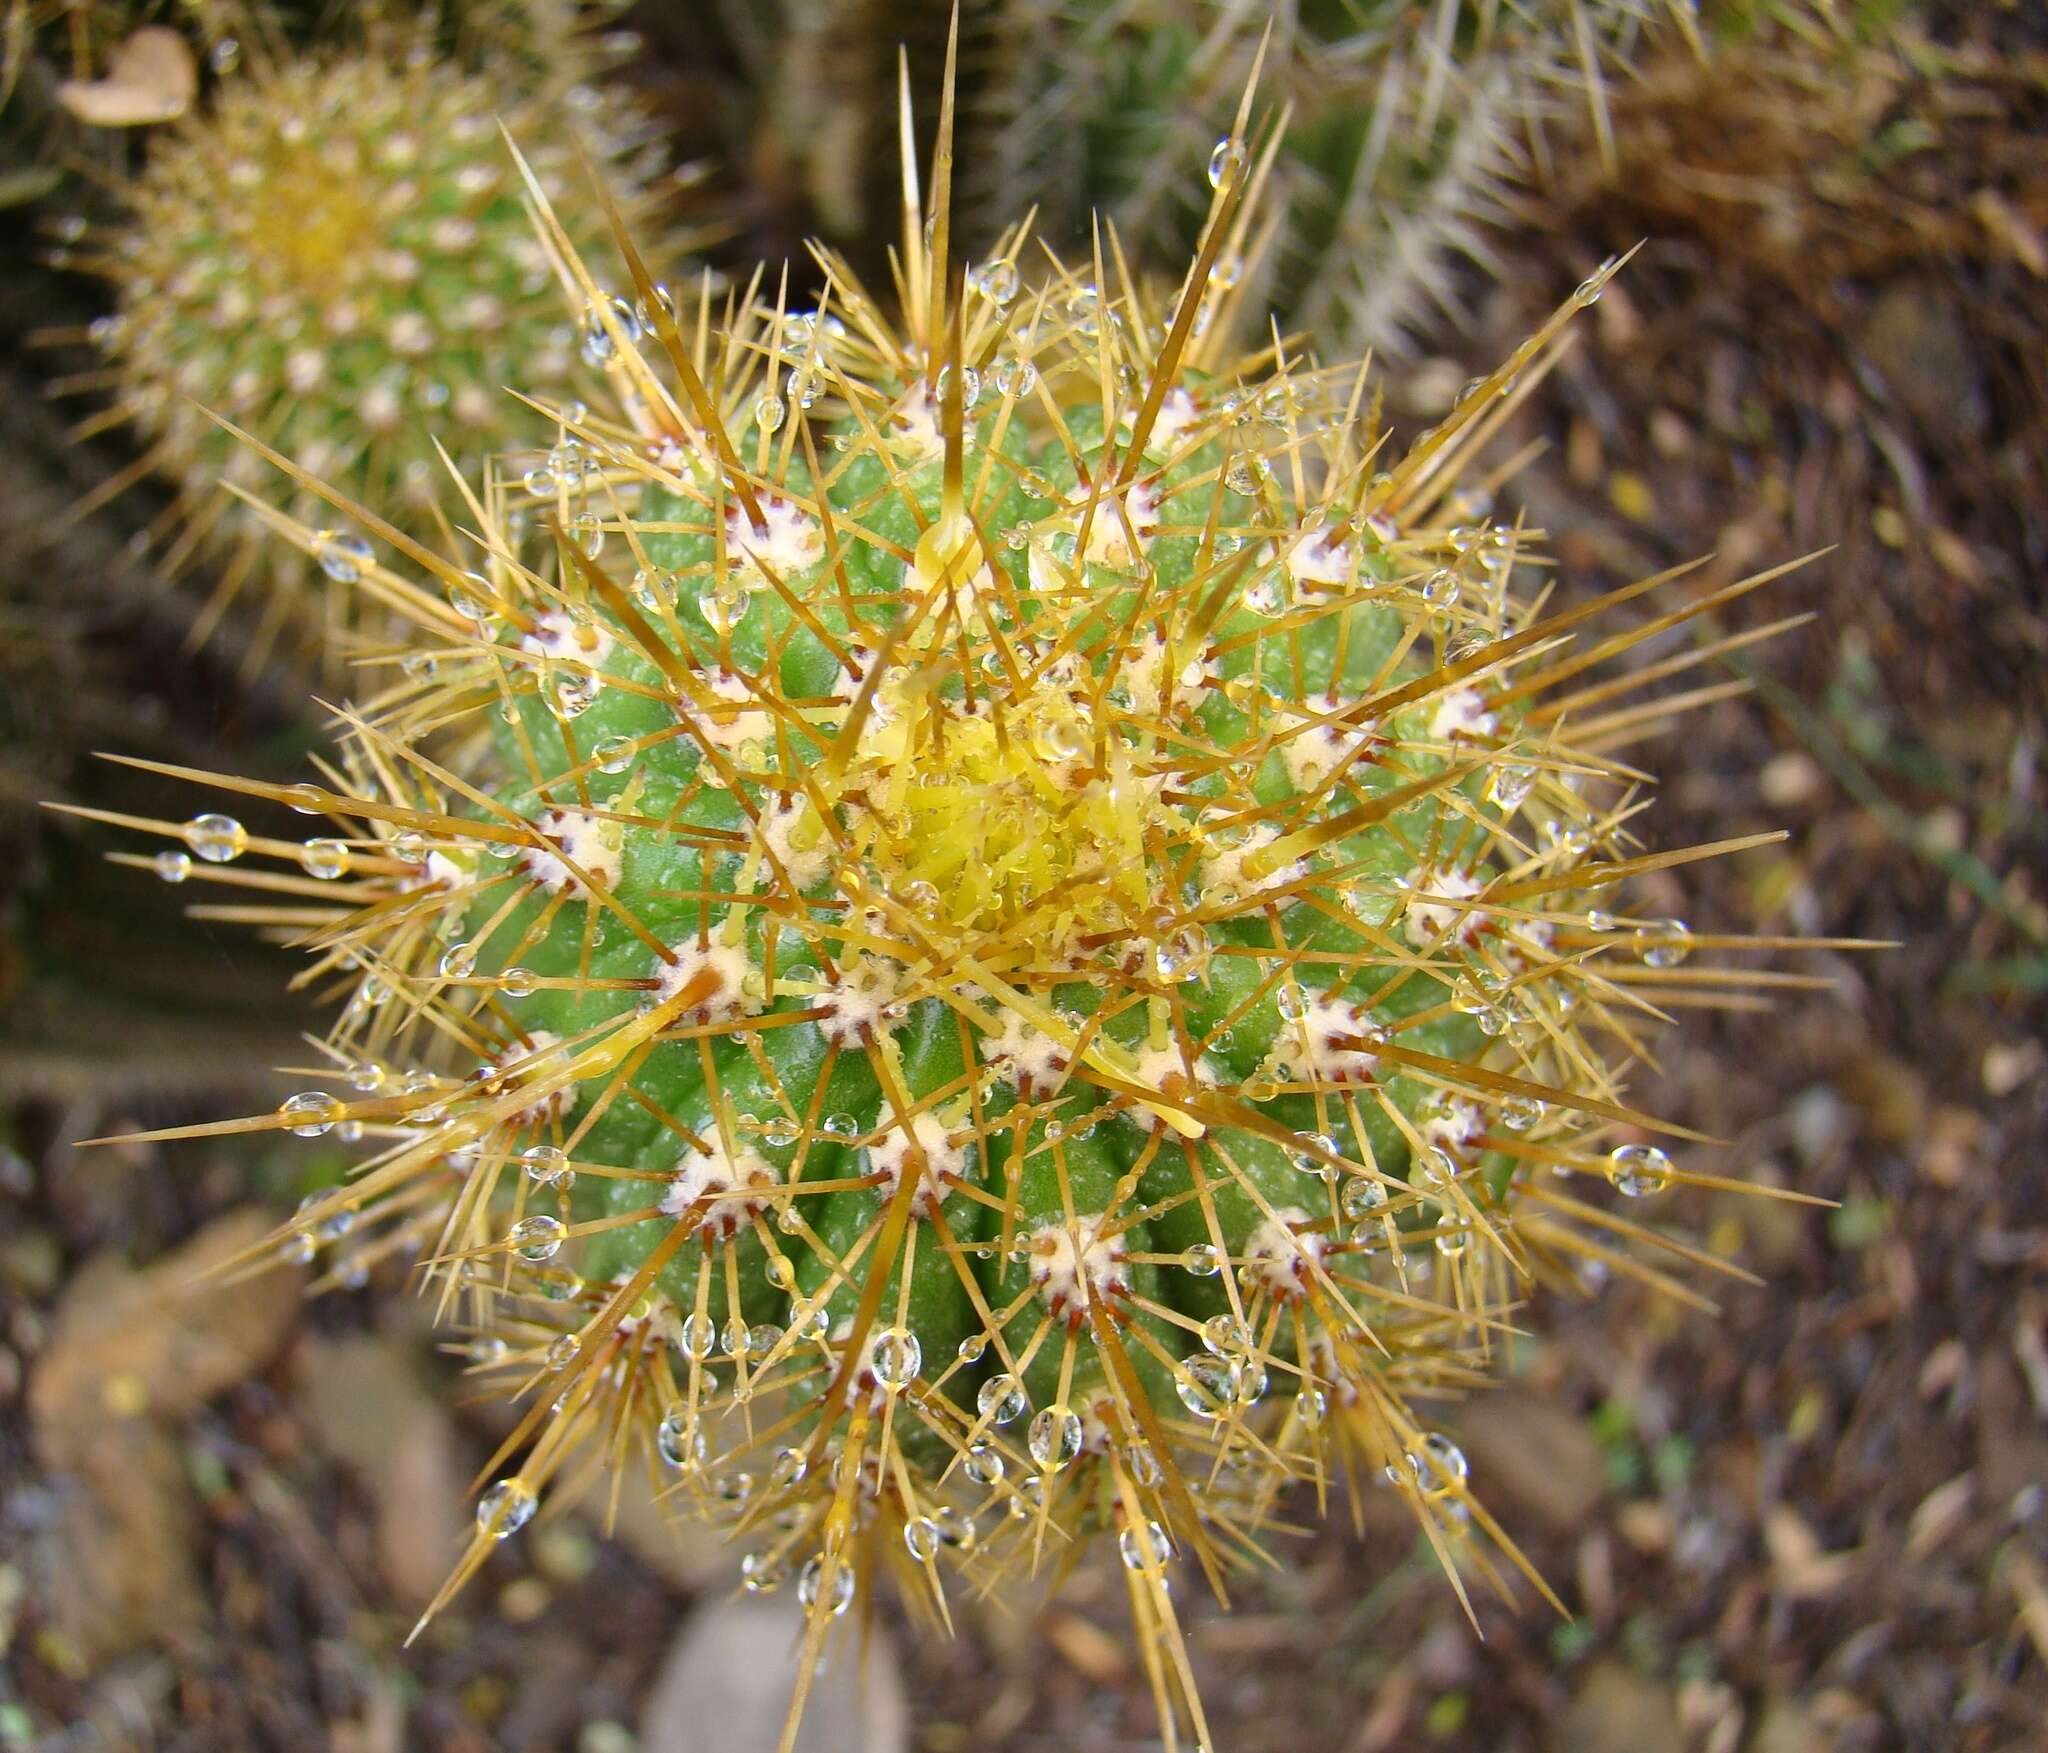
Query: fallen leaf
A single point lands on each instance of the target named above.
(151, 77)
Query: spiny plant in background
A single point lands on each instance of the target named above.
(1043, 952)
(1408, 125)
(336, 253)
(1807, 147)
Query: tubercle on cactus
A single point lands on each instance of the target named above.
(1023, 965)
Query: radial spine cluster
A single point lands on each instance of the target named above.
(983, 932)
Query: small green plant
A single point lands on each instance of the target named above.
(1036, 950)
(335, 253)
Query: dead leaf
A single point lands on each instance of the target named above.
(151, 77)
(1941, 1513)
(1803, 1569)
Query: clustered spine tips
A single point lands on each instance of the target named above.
(951, 1117)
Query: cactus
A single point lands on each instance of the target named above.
(1409, 125)
(1038, 950)
(335, 255)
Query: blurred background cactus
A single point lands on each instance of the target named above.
(1408, 126)
(329, 253)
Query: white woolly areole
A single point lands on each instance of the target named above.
(776, 832)
(1113, 523)
(559, 635)
(944, 1160)
(1451, 1123)
(1526, 941)
(1163, 1069)
(1031, 1060)
(723, 968)
(1178, 415)
(1142, 672)
(440, 869)
(1111, 530)
(1224, 877)
(913, 424)
(590, 843)
(790, 540)
(524, 1062)
(722, 1182)
(1282, 1256)
(1070, 1263)
(1462, 714)
(720, 729)
(1324, 1044)
(859, 1005)
(1321, 556)
(1434, 913)
(1312, 755)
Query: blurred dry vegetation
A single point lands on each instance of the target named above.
(1814, 1519)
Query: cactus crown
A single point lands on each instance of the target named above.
(1016, 959)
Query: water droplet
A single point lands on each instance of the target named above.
(458, 961)
(1588, 291)
(788, 1468)
(1055, 1437)
(325, 859)
(972, 1347)
(1224, 1334)
(1638, 1170)
(1509, 785)
(1442, 1467)
(1664, 944)
(1226, 162)
(172, 866)
(697, 1335)
(544, 1163)
(506, 1508)
(1144, 1548)
(518, 983)
(588, 533)
(1002, 1399)
(216, 838)
(921, 1536)
(810, 1583)
(1207, 1384)
(998, 280)
(1203, 1260)
(762, 1572)
(984, 1463)
(1519, 1113)
(897, 1357)
(1362, 1197)
(314, 1112)
(842, 1125)
(342, 555)
(769, 412)
(1183, 956)
(562, 1353)
(671, 1438)
(536, 1238)
(574, 692)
